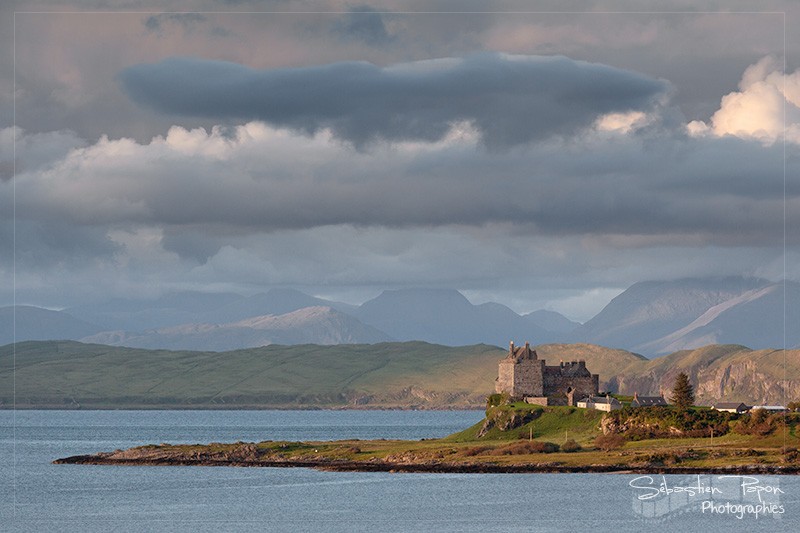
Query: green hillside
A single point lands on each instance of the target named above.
(71, 374)
(67, 374)
(407, 374)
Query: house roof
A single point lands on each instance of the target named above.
(729, 405)
(521, 352)
(571, 369)
(644, 401)
(600, 399)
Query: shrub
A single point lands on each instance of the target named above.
(789, 453)
(570, 446)
(497, 399)
(758, 422)
(667, 422)
(524, 448)
(611, 441)
(475, 450)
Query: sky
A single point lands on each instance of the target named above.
(544, 155)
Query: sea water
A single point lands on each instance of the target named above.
(36, 495)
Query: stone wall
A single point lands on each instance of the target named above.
(558, 380)
(538, 400)
(521, 378)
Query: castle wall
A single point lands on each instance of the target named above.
(557, 384)
(538, 400)
(521, 378)
(505, 377)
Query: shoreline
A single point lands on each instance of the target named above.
(105, 459)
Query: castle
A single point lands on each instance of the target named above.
(524, 376)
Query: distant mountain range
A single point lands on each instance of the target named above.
(657, 318)
(309, 325)
(69, 374)
(651, 318)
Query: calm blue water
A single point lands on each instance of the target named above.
(38, 496)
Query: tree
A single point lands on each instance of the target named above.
(682, 392)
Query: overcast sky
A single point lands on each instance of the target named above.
(540, 160)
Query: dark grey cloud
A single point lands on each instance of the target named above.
(365, 24)
(6, 170)
(510, 100)
(43, 245)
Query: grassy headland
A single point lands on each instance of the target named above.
(526, 438)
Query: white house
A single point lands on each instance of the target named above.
(601, 403)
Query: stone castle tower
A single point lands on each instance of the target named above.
(524, 376)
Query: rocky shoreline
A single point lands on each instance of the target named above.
(433, 467)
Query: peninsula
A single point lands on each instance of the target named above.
(540, 419)
(519, 437)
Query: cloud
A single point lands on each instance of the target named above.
(623, 197)
(33, 151)
(510, 100)
(756, 111)
(365, 24)
(651, 187)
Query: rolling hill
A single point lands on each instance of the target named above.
(387, 375)
(415, 374)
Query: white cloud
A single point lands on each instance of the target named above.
(622, 122)
(757, 110)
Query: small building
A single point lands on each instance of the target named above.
(731, 407)
(601, 403)
(770, 408)
(648, 401)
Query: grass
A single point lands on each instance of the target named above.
(553, 424)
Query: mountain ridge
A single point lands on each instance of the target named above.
(308, 325)
(653, 318)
